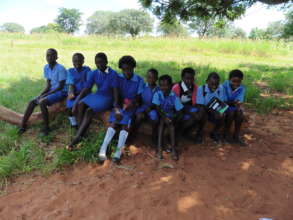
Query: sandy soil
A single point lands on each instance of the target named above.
(207, 183)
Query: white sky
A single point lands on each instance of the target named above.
(33, 13)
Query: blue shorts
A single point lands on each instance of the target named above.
(189, 109)
(98, 102)
(152, 115)
(71, 102)
(55, 97)
(127, 117)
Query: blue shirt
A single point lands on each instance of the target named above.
(147, 94)
(78, 79)
(105, 81)
(203, 98)
(169, 104)
(236, 95)
(130, 88)
(55, 75)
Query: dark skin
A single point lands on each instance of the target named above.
(41, 100)
(84, 113)
(165, 121)
(236, 116)
(142, 116)
(197, 118)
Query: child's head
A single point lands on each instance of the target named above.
(51, 56)
(165, 83)
(127, 65)
(235, 77)
(213, 81)
(187, 76)
(152, 76)
(77, 60)
(101, 61)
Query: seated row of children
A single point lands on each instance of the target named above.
(179, 107)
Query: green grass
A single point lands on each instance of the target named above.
(21, 78)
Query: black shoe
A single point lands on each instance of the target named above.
(239, 141)
(216, 137)
(21, 131)
(45, 131)
(116, 160)
(198, 139)
(174, 155)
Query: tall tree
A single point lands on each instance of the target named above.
(99, 22)
(131, 21)
(69, 20)
(175, 29)
(288, 26)
(12, 27)
(168, 11)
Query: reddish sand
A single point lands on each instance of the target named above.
(208, 183)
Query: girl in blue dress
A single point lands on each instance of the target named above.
(76, 82)
(87, 104)
(130, 87)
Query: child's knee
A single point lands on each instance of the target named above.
(43, 102)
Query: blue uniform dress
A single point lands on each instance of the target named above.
(55, 75)
(78, 80)
(236, 95)
(102, 100)
(170, 104)
(128, 90)
(204, 95)
(147, 98)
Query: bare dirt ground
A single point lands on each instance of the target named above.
(207, 183)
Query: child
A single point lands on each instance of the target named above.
(235, 93)
(87, 104)
(205, 94)
(76, 81)
(169, 108)
(54, 92)
(194, 114)
(147, 108)
(130, 88)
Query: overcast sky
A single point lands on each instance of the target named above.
(33, 13)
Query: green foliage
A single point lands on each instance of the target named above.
(12, 27)
(288, 26)
(69, 20)
(50, 28)
(99, 23)
(175, 29)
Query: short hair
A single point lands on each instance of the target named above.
(213, 75)
(53, 50)
(79, 55)
(129, 60)
(154, 71)
(236, 73)
(167, 78)
(187, 70)
(102, 56)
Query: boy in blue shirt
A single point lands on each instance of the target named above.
(87, 104)
(205, 94)
(235, 93)
(76, 82)
(147, 111)
(170, 109)
(130, 87)
(54, 92)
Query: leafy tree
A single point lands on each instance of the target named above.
(288, 26)
(258, 34)
(99, 22)
(131, 21)
(69, 20)
(202, 26)
(185, 10)
(174, 29)
(236, 32)
(12, 27)
(51, 27)
(275, 30)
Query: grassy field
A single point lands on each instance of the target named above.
(267, 66)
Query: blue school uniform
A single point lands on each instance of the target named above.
(55, 75)
(170, 104)
(236, 95)
(147, 98)
(102, 100)
(128, 90)
(78, 79)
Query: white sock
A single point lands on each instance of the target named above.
(121, 143)
(108, 137)
(72, 120)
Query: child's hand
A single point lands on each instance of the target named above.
(71, 96)
(167, 120)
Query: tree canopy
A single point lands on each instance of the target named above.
(12, 27)
(69, 20)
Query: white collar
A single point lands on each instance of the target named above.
(106, 70)
(184, 87)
